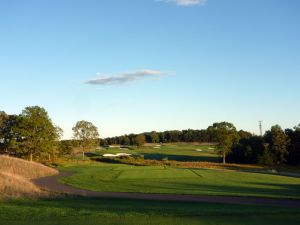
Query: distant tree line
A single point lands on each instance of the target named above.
(275, 147)
(32, 134)
(170, 136)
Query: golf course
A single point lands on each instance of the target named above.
(119, 193)
(157, 179)
(179, 183)
(149, 112)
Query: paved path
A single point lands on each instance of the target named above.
(52, 184)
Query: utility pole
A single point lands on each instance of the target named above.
(260, 128)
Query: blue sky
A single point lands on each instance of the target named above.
(142, 65)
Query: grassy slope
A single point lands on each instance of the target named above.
(85, 211)
(15, 175)
(150, 179)
(24, 168)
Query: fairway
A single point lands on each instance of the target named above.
(159, 179)
(178, 152)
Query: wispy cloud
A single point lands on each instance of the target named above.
(186, 2)
(123, 78)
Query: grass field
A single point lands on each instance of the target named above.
(62, 210)
(160, 179)
(178, 152)
(86, 211)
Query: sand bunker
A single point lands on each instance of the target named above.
(116, 155)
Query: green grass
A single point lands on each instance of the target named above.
(178, 152)
(87, 211)
(160, 179)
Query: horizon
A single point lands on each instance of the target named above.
(154, 64)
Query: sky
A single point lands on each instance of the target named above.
(130, 66)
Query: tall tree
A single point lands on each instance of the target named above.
(294, 145)
(10, 137)
(244, 134)
(225, 134)
(37, 132)
(154, 137)
(140, 140)
(87, 133)
(3, 133)
(125, 140)
(277, 142)
(248, 150)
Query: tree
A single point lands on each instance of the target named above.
(8, 124)
(154, 137)
(247, 150)
(244, 134)
(266, 158)
(3, 120)
(225, 134)
(140, 140)
(187, 135)
(65, 148)
(277, 142)
(10, 137)
(125, 140)
(87, 133)
(37, 132)
(294, 145)
(172, 135)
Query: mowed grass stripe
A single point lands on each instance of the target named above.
(163, 173)
(149, 179)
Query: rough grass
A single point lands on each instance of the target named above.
(139, 161)
(24, 168)
(14, 186)
(15, 175)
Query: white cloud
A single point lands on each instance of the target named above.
(186, 2)
(125, 77)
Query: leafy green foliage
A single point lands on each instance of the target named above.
(65, 148)
(31, 133)
(140, 140)
(9, 135)
(87, 133)
(225, 134)
(276, 141)
(247, 150)
(37, 131)
(293, 145)
(154, 137)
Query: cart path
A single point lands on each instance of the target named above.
(52, 184)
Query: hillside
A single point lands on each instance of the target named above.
(15, 175)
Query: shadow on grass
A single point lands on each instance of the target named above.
(261, 189)
(182, 158)
(125, 206)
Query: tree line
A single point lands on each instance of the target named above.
(32, 134)
(275, 147)
(170, 136)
